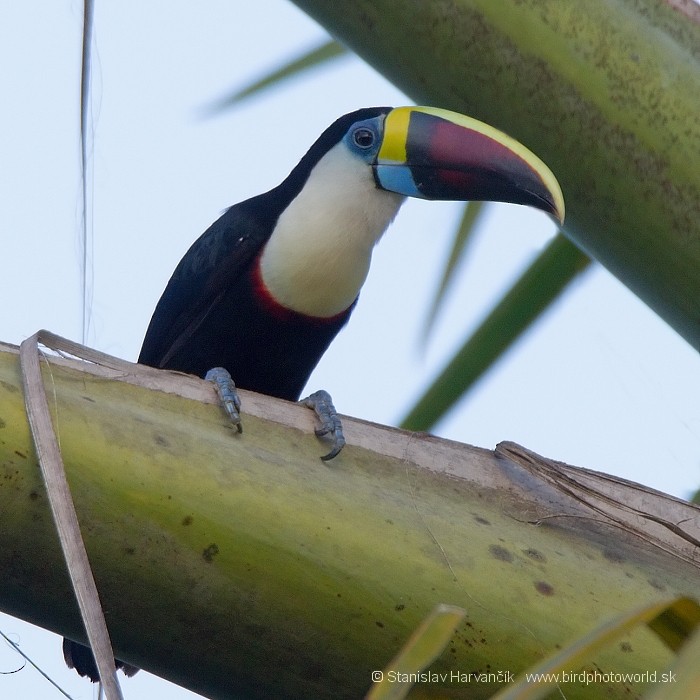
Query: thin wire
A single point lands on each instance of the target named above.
(21, 653)
(88, 7)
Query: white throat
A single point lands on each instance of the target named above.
(318, 257)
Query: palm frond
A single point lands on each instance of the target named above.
(310, 59)
(463, 236)
(542, 283)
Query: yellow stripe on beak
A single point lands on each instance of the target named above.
(396, 123)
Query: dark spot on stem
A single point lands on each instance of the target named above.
(535, 555)
(210, 552)
(500, 553)
(544, 588)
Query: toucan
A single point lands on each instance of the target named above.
(262, 293)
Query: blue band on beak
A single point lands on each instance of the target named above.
(397, 178)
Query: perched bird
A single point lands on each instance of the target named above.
(263, 292)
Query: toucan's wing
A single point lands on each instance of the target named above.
(222, 255)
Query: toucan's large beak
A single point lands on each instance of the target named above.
(436, 154)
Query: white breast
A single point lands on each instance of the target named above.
(318, 257)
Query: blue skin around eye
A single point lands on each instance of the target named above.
(367, 154)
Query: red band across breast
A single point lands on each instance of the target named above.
(273, 307)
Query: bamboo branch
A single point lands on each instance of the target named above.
(604, 91)
(242, 565)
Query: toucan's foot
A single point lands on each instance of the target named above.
(322, 405)
(228, 395)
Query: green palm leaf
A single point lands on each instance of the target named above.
(558, 264)
(311, 59)
(463, 235)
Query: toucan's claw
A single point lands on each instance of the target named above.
(226, 389)
(322, 405)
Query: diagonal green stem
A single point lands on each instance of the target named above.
(311, 59)
(558, 264)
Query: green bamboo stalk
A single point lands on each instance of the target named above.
(606, 92)
(242, 566)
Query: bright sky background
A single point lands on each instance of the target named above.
(601, 382)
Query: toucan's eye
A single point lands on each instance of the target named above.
(363, 137)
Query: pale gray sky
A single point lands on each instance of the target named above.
(600, 383)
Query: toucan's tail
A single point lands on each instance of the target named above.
(80, 657)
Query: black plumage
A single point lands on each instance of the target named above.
(214, 312)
